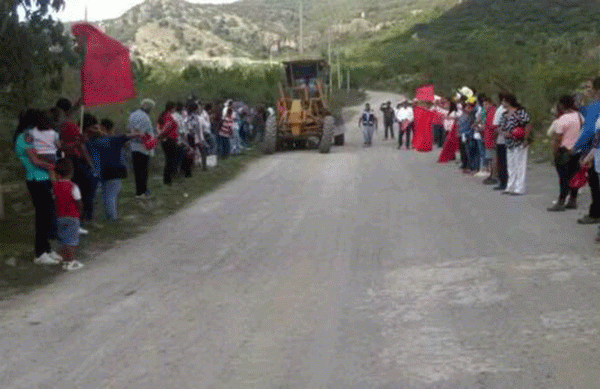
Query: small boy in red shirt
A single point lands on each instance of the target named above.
(67, 199)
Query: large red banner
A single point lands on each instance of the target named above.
(106, 75)
(425, 93)
(423, 132)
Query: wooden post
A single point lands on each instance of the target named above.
(348, 80)
(81, 120)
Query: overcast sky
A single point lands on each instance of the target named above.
(106, 9)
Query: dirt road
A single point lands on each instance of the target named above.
(363, 268)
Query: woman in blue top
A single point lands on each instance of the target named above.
(106, 152)
(40, 188)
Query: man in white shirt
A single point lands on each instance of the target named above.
(405, 118)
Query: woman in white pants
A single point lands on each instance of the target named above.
(515, 120)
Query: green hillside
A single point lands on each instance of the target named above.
(537, 49)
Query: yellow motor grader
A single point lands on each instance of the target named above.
(302, 114)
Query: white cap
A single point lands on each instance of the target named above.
(148, 103)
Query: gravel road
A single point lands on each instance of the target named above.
(362, 268)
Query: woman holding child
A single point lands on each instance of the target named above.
(39, 186)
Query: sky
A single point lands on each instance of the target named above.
(106, 9)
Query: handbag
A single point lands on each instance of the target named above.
(580, 179)
(150, 142)
(518, 133)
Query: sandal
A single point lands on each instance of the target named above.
(72, 265)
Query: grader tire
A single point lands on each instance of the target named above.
(327, 137)
(270, 142)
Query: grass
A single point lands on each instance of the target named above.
(18, 273)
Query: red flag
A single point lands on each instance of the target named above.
(425, 93)
(423, 133)
(106, 75)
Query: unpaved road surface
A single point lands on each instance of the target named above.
(363, 268)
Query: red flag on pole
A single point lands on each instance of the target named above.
(425, 93)
(106, 75)
(423, 133)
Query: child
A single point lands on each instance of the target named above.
(67, 198)
(45, 140)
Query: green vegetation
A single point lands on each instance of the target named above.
(536, 49)
(34, 51)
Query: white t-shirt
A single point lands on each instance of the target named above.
(204, 122)
(76, 192)
(45, 142)
(498, 115)
(500, 140)
(450, 119)
(405, 113)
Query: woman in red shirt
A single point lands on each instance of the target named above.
(167, 128)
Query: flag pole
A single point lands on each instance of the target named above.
(81, 120)
(85, 18)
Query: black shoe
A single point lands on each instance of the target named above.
(571, 205)
(558, 207)
(499, 188)
(588, 220)
(490, 181)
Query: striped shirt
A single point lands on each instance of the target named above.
(227, 127)
(520, 118)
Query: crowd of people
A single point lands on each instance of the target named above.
(67, 160)
(490, 139)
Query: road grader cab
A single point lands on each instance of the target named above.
(302, 115)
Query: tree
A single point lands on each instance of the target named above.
(33, 50)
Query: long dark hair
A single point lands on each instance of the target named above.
(566, 102)
(27, 119)
(512, 101)
(453, 107)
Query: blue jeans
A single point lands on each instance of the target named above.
(473, 152)
(110, 191)
(224, 147)
(482, 158)
(212, 143)
(368, 134)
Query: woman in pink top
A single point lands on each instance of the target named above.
(566, 132)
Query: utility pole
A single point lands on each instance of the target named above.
(85, 16)
(329, 58)
(301, 29)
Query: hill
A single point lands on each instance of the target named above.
(537, 49)
(177, 31)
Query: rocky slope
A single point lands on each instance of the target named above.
(175, 30)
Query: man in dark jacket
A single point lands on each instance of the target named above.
(388, 119)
